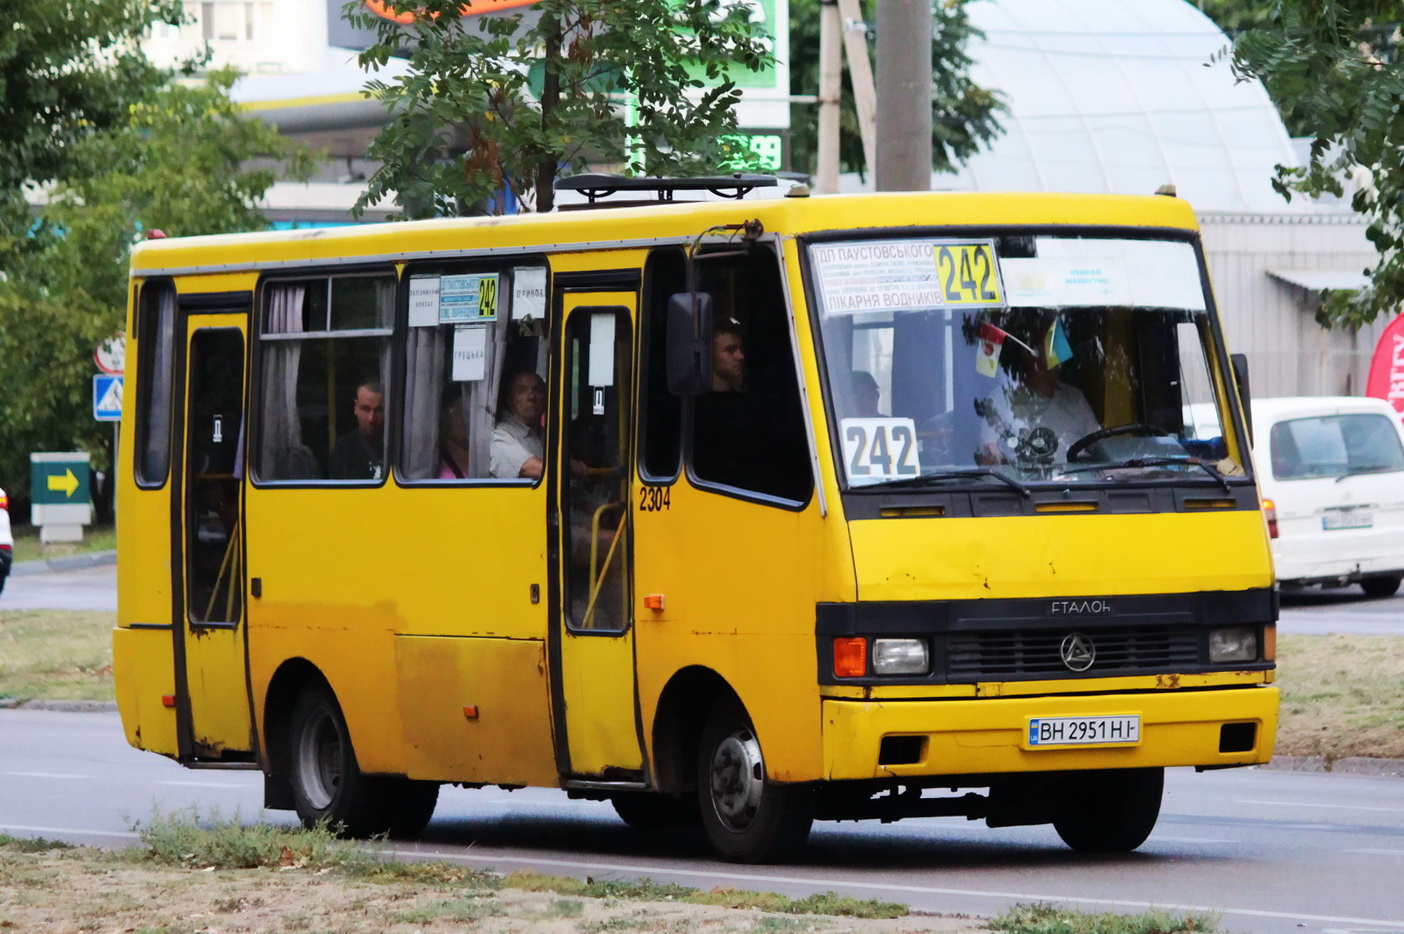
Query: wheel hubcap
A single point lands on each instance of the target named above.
(737, 779)
(319, 761)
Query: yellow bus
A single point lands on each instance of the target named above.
(738, 514)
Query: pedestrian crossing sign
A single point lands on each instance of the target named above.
(107, 397)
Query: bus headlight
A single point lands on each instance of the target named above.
(900, 657)
(1233, 644)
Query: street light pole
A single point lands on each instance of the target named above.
(903, 95)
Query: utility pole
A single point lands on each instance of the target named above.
(903, 96)
(843, 19)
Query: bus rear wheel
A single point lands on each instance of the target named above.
(747, 818)
(328, 786)
(1111, 811)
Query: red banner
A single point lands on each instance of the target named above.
(1387, 367)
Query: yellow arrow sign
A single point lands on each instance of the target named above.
(67, 483)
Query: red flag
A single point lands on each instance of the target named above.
(988, 348)
(1386, 380)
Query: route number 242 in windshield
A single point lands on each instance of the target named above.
(968, 274)
(879, 448)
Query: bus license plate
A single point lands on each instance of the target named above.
(1083, 731)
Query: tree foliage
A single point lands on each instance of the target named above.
(496, 103)
(180, 162)
(1332, 60)
(965, 116)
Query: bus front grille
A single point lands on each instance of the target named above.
(1012, 653)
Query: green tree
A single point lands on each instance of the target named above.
(1332, 63)
(506, 102)
(965, 116)
(180, 162)
(68, 69)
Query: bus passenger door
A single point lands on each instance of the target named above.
(212, 700)
(595, 687)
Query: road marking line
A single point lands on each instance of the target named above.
(46, 775)
(1338, 807)
(840, 884)
(1160, 839)
(1376, 852)
(72, 830)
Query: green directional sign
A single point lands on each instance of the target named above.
(58, 478)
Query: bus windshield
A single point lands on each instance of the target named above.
(1021, 358)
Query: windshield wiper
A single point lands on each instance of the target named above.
(1364, 468)
(1132, 462)
(937, 476)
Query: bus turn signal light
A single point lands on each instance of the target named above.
(167, 700)
(850, 657)
(655, 601)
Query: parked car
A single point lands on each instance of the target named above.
(7, 542)
(1331, 470)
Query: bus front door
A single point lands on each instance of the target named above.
(594, 640)
(212, 700)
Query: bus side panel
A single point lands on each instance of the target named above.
(143, 660)
(468, 714)
(145, 674)
(740, 581)
(343, 571)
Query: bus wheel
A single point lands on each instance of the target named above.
(328, 787)
(651, 811)
(747, 818)
(1109, 812)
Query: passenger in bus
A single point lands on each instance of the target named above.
(728, 357)
(360, 453)
(453, 437)
(866, 395)
(517, 449)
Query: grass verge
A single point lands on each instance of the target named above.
(56, 654)
(29, 548)
(1341, 696)
(196, 875)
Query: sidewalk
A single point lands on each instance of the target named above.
(91, 559)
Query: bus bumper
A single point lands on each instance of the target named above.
(1236, 726)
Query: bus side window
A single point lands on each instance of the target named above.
(457, 374)
(660, 418)
(155, 349)
(748, 432)
(324, 378)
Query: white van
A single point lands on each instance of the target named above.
(1331, 471)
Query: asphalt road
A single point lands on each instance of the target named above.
(1276, 852)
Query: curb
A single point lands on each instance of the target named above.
(70, 706)
(91, 559)
(1352, 765)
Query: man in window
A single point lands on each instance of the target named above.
(360, 453)
(517, 449)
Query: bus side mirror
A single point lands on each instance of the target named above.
(689, 336)
(1239, 362)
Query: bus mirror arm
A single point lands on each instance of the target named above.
(689, 343)
(1239, 362)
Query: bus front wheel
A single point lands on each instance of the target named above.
(747, 818)
(1109, 812)
(328, 786)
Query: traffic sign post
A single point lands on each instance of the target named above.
(107, 397)
(59, 495)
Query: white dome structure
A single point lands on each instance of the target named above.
(1121, 97)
